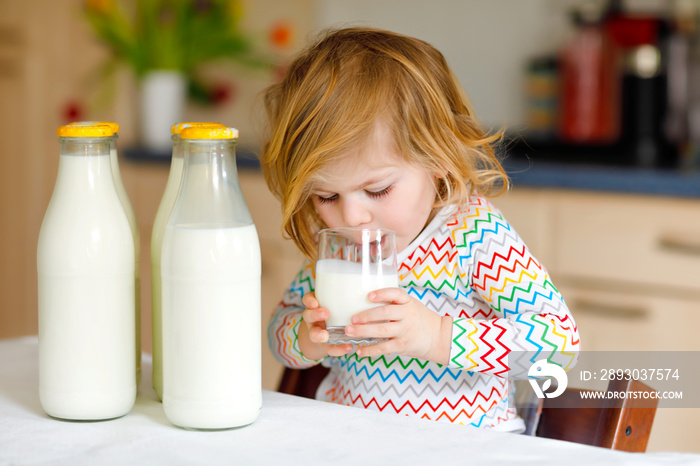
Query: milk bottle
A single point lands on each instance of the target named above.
(131, 215)
(129, 210)
(166, 205)
(210, 270)
(86, 286)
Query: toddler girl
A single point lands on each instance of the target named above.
(371, 129)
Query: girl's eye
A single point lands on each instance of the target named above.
(380, 193)
(326, 200)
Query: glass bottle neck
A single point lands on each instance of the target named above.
(211, 162)
(86, 147)
(85, 166)
(178, 147)
(210, 195)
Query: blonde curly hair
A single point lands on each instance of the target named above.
(330, 100)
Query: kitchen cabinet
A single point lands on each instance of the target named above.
(629, 321)
(628, 267)
(651, 242)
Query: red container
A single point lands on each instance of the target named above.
(590, 87)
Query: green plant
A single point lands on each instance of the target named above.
(179, 35)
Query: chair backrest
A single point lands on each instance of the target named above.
(621, 422)
(302, 382)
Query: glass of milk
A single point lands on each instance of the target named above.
(352, 262)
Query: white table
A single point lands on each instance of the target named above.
(290, 430)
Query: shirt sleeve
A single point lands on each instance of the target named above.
(532, 320)
(283, 330)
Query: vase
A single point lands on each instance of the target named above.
(162, 101)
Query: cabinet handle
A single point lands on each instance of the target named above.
(628, 311)
(680, 243)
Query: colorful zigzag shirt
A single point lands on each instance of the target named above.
(470, 264)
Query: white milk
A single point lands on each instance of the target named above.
(211, 326)
(85, 264)
(131, 216)
(161, 220)
(342, 289)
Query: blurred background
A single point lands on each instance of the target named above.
(599, 101)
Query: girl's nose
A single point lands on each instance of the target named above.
(354, 213)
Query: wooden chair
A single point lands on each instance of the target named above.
(302, 382)
(618, 424)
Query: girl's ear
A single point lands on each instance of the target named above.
(440, 183)
(439, 174)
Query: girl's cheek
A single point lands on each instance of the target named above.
(327, 215)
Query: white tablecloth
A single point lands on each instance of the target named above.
(290, 430)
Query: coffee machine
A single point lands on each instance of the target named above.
(644, 138)
(614, 98)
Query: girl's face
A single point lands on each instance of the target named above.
(375, 188)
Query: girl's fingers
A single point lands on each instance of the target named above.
(374, 350)
(310, 301)
(377, 314)
(389, 296)
(313, 316)
(318, 334)
(383, 329)
(338, 350)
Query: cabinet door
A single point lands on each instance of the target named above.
(627, 321)
(647, 241)
(675, 429)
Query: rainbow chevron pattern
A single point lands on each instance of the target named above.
(470, 264)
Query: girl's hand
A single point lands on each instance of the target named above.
(412, 329)
(313, 334)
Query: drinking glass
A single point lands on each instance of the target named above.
(352, 262)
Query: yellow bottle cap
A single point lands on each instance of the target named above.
(112, 124)
(87, 131)
(204, 132)
(178, 127)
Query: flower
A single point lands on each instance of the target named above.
(217, 93)
(281, 34)
(102, 6)
(221, 93)
(72, 111)
(178, 35)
